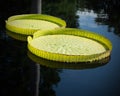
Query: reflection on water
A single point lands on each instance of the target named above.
(17, 36)
(18, 72)
(64, 9)
(48, 78)
(106, 10)
(63, 65)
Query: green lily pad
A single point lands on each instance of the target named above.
(29, 23)
(69, 45)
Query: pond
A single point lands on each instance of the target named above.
(22, 76)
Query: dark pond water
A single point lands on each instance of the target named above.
(22, 76)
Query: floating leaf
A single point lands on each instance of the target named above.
(29, 23)
(69, 45)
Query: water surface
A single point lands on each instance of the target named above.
(20, 75)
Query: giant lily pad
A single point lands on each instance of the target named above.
(69, 45)
(29, 23)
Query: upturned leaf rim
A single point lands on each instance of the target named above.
(27, 31)
(71, 58)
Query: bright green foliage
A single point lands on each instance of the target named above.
(69, 45)
(29, 23)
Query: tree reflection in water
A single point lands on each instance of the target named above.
(65, 9)
(107, 12)
(48, 78)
